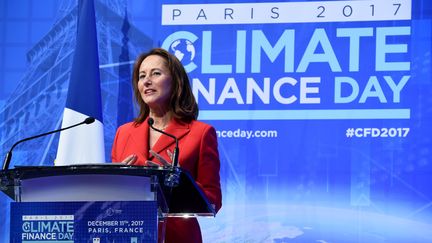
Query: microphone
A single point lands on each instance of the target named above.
(8, 157)
(176, 149)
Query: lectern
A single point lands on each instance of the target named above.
(98, 202)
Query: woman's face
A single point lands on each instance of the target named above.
(154, 82)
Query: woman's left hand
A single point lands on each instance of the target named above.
(130, 160)
(163, 161)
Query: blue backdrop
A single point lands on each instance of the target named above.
(322, 108)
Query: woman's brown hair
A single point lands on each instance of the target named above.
(182, 103)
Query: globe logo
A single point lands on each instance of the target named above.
(184, 50)
(26, 226)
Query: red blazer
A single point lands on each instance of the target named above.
(198, 155)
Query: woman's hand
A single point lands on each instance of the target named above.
(130, 160)
(160, 158)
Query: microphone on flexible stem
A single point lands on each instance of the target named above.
(176, 149)
(8, 157)
(172, 179)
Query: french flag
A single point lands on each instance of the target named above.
(83, 144)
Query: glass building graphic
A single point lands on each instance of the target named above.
(41, 93)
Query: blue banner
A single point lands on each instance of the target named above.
(322, 108)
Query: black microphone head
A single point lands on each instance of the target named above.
(89, 120)
(150, 121)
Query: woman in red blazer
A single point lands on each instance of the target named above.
(162, 91)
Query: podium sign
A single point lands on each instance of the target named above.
(94, 222)
(99, 203)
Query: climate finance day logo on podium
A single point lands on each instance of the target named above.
(87, 221)
(46, 228)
